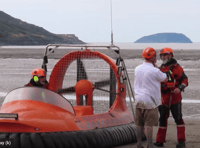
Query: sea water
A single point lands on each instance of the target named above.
(126, 45)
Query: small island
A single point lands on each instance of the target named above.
(164, 38)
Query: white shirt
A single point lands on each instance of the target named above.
(147, 86)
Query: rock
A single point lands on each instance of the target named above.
(71, 37)
(17, 32)
(164, 38)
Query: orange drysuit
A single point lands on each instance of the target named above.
(172, 101)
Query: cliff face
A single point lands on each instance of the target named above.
(70, 37)
(164, 38)
(16, 32)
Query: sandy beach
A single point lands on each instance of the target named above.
(16, 66)
(192, 135)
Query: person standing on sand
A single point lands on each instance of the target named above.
(171, 97)
(38, 78)
(147, 95)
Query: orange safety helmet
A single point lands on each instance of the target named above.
(148, 52)
(38, 72)
(167, 50)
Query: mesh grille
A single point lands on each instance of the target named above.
(97, 70)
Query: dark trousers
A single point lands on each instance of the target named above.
(176, 110)
(164, 115)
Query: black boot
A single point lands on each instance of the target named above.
(180, 145)
(158, 144)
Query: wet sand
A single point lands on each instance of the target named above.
(38, 53)
(192, 135)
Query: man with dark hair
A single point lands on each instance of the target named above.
(38, 78)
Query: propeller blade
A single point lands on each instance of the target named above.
(67, 90)
(81, 73)
(101, 83)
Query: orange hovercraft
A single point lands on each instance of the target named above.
(85, 105)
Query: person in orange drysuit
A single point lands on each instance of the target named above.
(171, 97)
(38, 78)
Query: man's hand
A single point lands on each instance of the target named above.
(155, 65)
(176, 90)
(165, 80)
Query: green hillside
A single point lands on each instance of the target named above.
(17, 32)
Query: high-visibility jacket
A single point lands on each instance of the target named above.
(176, 78)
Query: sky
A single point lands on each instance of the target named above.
(90, 20)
